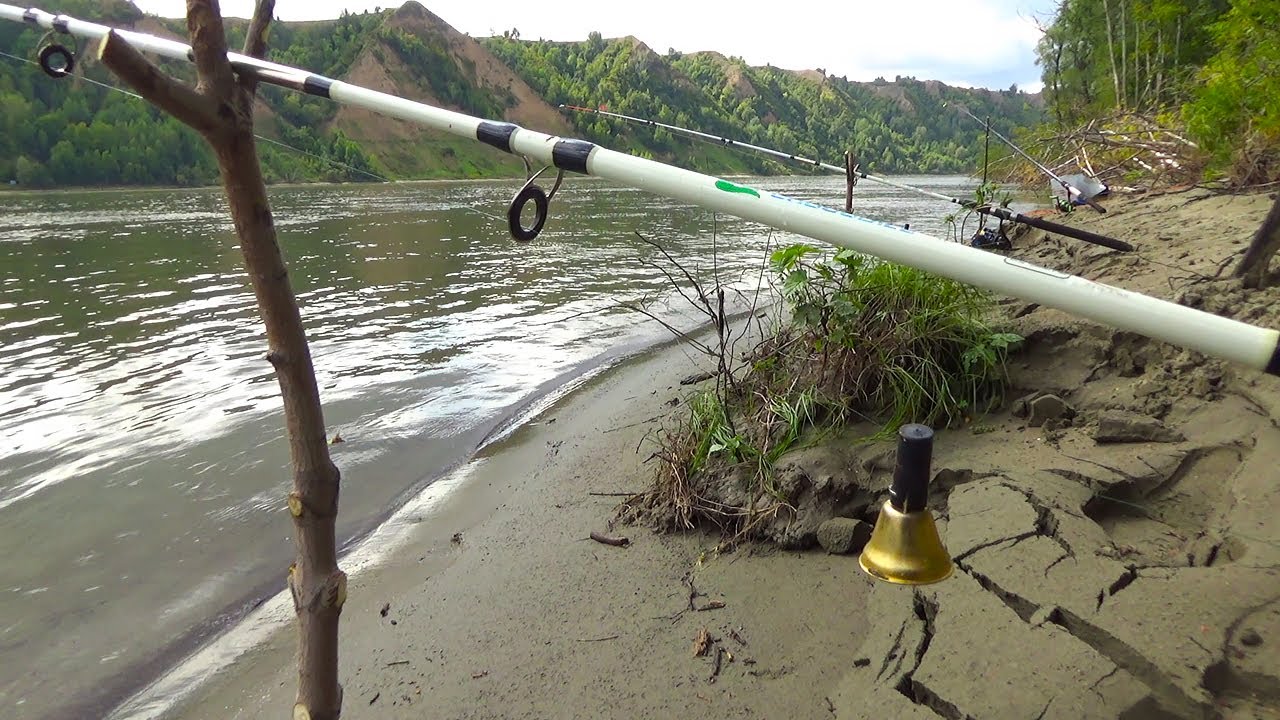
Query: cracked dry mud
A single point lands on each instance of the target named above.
(1113, 579)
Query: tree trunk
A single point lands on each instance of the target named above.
(221, 109)
(1111, 53)
(1124, 61)
(1257, 259)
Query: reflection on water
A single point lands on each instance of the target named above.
(142, 462)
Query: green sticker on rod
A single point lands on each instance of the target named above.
(727, 186)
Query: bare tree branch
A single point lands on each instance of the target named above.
(209, 46)
(222, 110)
(255, 41)
(152, 83)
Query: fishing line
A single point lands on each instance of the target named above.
(136, 96)
(997, 211)
(478, 211)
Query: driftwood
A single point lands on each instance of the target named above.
(610, 539)
(220, 108)
(1266, 241)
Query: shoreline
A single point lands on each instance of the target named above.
(566, 437)
(253, 617)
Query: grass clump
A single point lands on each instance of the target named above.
(862, 341)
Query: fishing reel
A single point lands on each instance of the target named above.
(55, 59)
(541, 201)
(992, 239)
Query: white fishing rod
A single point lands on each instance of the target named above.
(1002, 213)
(1213, 335)
(1072, 190)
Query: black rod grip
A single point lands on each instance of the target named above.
(1059, 229)
(1092, 203)
(910, 489)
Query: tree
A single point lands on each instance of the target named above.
(220, 108)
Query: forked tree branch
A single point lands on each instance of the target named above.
(160, 89)
(255, 41)
(209, 46)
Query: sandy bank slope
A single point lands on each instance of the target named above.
(527, 618)
(1117, 540)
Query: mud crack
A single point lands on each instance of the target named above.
(1102, 642)
(918, 693)
(1125, 580)
(1010, 540)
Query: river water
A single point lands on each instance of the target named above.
(143, 466)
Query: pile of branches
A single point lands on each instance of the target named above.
(1127, 151)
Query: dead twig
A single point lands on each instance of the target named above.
(693, 591)
(713, 605)
(715, 670)
(610, 539)
(600, 639)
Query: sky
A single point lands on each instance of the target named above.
(973, 43)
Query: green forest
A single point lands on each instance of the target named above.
(1209, 69)
(80, 133)
(893, 127)
(1206, 68)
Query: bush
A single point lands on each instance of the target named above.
(865, 340)
(1235, 113)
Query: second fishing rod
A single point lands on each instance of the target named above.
(995, 211)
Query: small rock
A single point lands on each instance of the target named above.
(1191, 299)
(843, 536)
(1147, 387)
(1125, 427)
(1048, 407)
(1251, 638)
(862, 662)
(1201, 386)
(1020, 405)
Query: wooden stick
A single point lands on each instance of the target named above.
(609, 539)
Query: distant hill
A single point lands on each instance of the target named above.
(75, 133)
(894, 127)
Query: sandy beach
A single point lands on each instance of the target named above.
(1117, 550)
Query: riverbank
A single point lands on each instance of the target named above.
(1114, 534)
(525, 616)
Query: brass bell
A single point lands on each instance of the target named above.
(904, 547)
